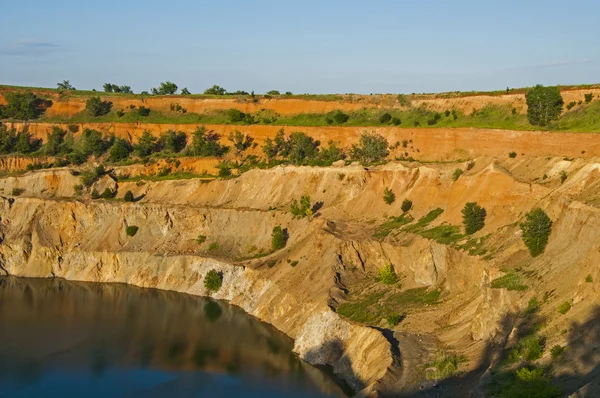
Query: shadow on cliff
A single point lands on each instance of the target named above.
(494, 375)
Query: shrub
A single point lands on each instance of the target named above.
(338, 117)
(128, 197)
(456, 174)
(215, 90)
(571, 104)
(588, 97)
(273, 92)
(395, 319)
(93, 143)
(65, 85)
(564, 307)
(120, 150)
(528, 382)
(172, 141)
(301, 209)
(23, 106)
(279, 238)
(78, 188)
(131, 230)
(107, 194)
(387, 275)
(372, 148)
(512, 155)
(224, 168)
(396, 121)
(143, 111)
(532, 306)
(389, 196)
(201, 239)
(96, 107)
(589, 279)
(146, 144)
(95, 194)
(241, 142)
(235, 115)
(185, 91)
(213, 246)
(473, 217)
(213, 281)
(563, 176)
(165, 88)
(206, 143)
(91, 174)
(536, 230)
(446, 366)
(385, 118)
(17, 191)
(556, 351)
(406, 205)
(544, 104)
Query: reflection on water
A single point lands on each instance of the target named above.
(86, 339)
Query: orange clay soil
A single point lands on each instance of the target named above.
(285, 106)
(437, 144)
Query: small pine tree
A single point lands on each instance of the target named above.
(213, 281)
(95, 194)
(131, 230)
(536, 230)
(389, 196)
(406, 205)
(278, 238)
(128, 196)
(473, 217)
(107, 194)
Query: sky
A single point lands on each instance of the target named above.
(308, 46)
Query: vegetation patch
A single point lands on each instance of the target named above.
(213, 281)
(387, 275)
(510, 281)
(424, 221)
(564, 307)
(414, 297)
(446, 366)
(395, 223)
(131, 230)
(444, 234)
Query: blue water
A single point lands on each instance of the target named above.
(70, 339)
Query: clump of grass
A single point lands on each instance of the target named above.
(424, 221)
(556, 351)
(510, 281)
(17, 191)
(564, 307)
(201, 239)
(394, 319)
(395, 223)
(412, 297)
(444, 234)
(361, 311)
(213, 246)
(387, 275)
(294, 263)
(589, 279)
(475, 246)
(529, 348)
(532, 306)
(447, 365)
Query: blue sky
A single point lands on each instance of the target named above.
(309, 46)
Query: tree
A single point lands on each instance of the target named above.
(385, 118)
(372, 148)
(23, 106)
(65, 85)
(185, 91)
(120, 150)
(273, 92)
(213, 281)
(25, 143)
(389, 196)
(143, 111)
(406, 205)
(165, 88)
(146, 145)
(300, 147)
(7, 139)
(215, 90)
(544, 104)
(172, 141)
(279, 238)
(107, 194)
(235, 115)
(92, 142)
(337, 117)
(54, 141)
(302, 209)
(206, 143)
(240, 141)
(535, 231)
(128, 196)
(473, 217)
(96, 107)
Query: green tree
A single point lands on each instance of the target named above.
(25, 143)
(213, 281)
(23, 106)
(65, 85)
(93, 143)
(389, 196)
(215, 90)
(385, 118)
(96, 107)
(107, 193)
(240, 141)
(131, 230)
(235, 115)
(302, 208)
(544, 104)
(372, 148)
(146, 145)
(120, 150)
(185, 91)
(165, 88)
(172, 141)
(473, 217)
(55, 140)
(279, 238)
(206, 143)
(406, 205)
(128, 196)
(535, 231)
(273, 92)
(337, 117)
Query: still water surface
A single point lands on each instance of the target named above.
(73, 339)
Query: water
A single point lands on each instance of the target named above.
(72, 339)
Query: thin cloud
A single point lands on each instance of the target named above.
(30, 47)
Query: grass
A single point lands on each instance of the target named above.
(387, 275)
(446, 366)
(414, 297)
(529, 348)
(443, 234)
(360, 311)
(510, 281)
(395, 222)
(475, 246)
(564, 307)
(424, 221)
